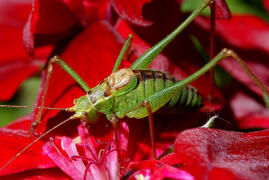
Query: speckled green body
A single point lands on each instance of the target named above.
(149, 83)
(127, 99)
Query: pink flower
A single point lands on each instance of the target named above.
(94, 160)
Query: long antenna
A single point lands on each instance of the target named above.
(32, 107)
(18, 154)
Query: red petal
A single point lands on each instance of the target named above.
(92, 55)
(132, 11)
(48, 21)
(140, 46)
(260, 70)
(170, 159)
(266, 5)
(248, 112)
(210, 153)
(12, 74)
(15, 65)
(154, 169)
(13, 141)
(246, 33)
(23, 123)
(241, 31)
(222, 10)
(88, 11)
(36, 174)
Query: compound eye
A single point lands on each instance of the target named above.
(120, 79)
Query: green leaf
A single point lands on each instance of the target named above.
(253, 7)
(26, 95)
(189, 6)
(250, 7)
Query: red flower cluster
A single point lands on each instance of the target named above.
(88, 35)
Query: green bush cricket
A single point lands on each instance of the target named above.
(137, 91)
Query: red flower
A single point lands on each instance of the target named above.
(74, 30)
(217, 154)
(15, 64)
(15, 137)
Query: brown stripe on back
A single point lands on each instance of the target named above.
(138, 75)
(158, 74)
(151, 74)
(164, 78)
(174, 79)
(169, 77)
(147, 74)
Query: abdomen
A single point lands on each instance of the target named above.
(155, 81)
(150, 82)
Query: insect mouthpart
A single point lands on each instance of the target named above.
(84, 110)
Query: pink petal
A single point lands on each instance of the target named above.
(72, 168)
(87, 142)
(70, 149)
(123, 132)
(111, 165)
(90, 152)
(110, 158)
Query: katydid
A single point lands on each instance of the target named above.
(137, 91)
